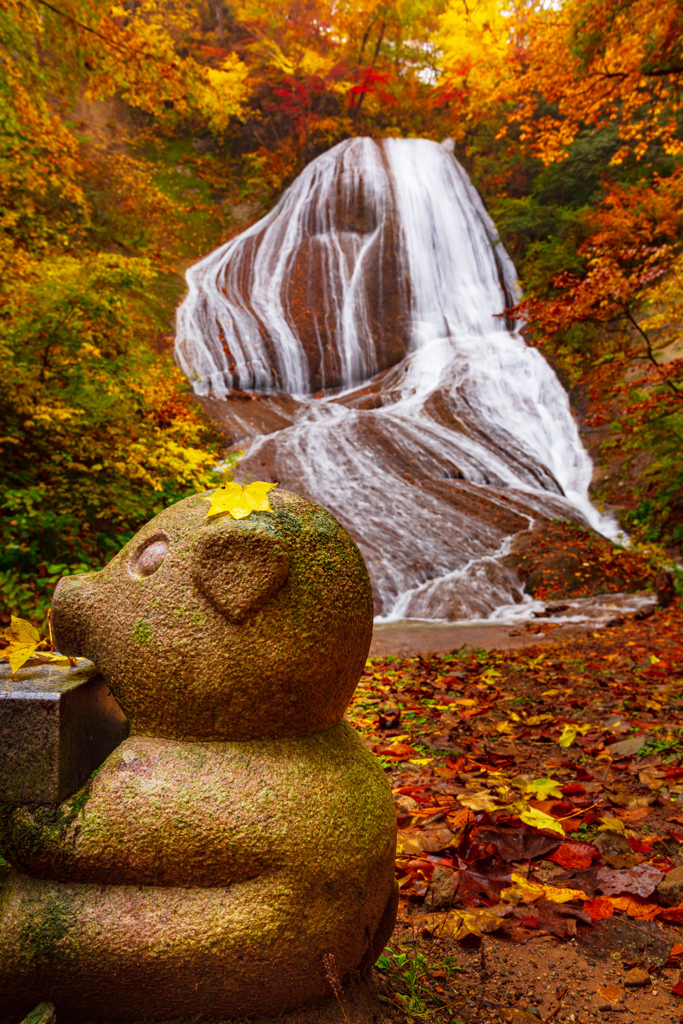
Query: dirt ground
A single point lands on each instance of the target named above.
(546, 979)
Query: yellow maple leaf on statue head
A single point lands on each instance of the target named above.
(240, 501)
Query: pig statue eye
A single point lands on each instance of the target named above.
(151, 558)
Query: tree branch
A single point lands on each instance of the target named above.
(86, 28)
(650, 354)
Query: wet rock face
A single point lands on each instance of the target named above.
(244, 832)
(315, 295)
(223, 629)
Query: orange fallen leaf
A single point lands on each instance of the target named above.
(632, 813)
(674, 914)
(426, 810)
(411, 842)
(461, 819)
(599, 909)
(576, 855)
(397, 750)
(612, 993)
(636, 906)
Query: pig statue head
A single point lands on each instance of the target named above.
(225, 629)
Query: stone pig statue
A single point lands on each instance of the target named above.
(243, 831)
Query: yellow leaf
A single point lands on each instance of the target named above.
(539, 819)
(570, 732)
(612, 825)
(482, 801)
(654, 660)
(21, 631)
(524, 890)
(60, 659)
(543, 788)
(240, 501)
(538, 719)
(505, 728)
(458, 924)
(23, 639)
(421, 760)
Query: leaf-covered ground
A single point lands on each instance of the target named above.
(539, 797)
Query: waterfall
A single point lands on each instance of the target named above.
(353, 337)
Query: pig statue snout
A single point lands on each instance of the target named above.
(69, 617)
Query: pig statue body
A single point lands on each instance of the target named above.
(243, 831)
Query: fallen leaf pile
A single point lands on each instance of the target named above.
(537, 791)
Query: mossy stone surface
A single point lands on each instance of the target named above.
(168, 812)
(224, 629)
(125, 953)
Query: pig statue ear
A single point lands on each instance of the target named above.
(238, 568)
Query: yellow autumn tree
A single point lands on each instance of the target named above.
(473, 41)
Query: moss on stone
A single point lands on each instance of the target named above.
(43, 929)
(142, 632)
(178, 813)
(27, 832)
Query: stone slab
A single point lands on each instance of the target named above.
(57, 725)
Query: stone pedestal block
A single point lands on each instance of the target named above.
(57, 725)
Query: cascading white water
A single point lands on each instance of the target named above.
(464, 437)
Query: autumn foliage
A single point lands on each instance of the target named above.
(132, 132)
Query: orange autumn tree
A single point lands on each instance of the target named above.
(596, 62)
(582, 67)
(633, 244)
(608, 74)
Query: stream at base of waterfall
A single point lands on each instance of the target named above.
(354, 344)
